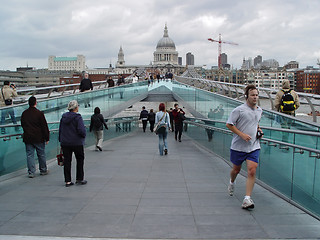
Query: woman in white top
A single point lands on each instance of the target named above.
(163, 118)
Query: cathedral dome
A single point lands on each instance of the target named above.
(165, 41)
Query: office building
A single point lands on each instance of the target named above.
(67, 63)
(189, 59)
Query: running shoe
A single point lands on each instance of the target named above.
(247, 203)
(231, 189)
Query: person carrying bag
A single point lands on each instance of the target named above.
(162, 125)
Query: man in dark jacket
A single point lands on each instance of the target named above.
(178, 114)
(35, 136)
(152, 119)
(86, 85)
(72, 134)
(144, 118)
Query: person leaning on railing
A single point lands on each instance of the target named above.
(8, 92)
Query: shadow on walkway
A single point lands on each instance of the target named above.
(132, 192)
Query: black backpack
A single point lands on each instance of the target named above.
(287, 102)
(96, 122)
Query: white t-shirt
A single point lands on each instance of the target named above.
(246, 119)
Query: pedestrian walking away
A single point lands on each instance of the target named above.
(245, 146)
(163, 124)
(144, 117)
(152, 119)
(178, 117)
(72, 134)
(8, 92)
(35, 137)
(96, 125)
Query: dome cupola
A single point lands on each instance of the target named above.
(165, 41)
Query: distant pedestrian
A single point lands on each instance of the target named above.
(72, 134)
(8, 92)
(119, 83)
(152, 119)
(144, 117)
(286, 100)
(110, 85)
(35, 137)
(171, 120)
(245, 146)
(163, 122)
(135, 78)
(96, 125)
(86, 85)
(110, 82)
(178, 117)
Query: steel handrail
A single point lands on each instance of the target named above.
(226, 131)
(308, 133)
(18, 135)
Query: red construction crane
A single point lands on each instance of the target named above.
(219, 49)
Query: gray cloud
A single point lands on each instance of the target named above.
(33, 30)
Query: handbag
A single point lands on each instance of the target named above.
(160, 127)
(182, 117)
(60, 158)
(6, 101)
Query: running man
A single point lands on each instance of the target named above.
(245, 146)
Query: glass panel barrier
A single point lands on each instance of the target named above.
(291, 169)
(13, 153)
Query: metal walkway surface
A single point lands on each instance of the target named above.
(134, 193)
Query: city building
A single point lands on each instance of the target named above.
(189, 59)
(292, 65)
(270, 63)
(179, 60)
(224, 59)
(165, 51)
(67, 63)
(120, 62)
(257, 61)
(308, 81)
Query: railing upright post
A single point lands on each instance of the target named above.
(313, 111)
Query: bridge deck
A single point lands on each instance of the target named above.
(132, 192)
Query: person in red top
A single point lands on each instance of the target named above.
(178, 117)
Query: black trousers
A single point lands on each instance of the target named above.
(144, 124)
(79, 154)
(151, 125)
(178, 130)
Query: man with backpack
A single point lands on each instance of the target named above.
(287, 100)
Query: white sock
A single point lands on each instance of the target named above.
(232, 182)
(247, 197)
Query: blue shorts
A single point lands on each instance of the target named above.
(237, 157)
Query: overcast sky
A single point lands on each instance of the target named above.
(32, 30)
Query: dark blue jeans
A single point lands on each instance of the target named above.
(40, 149)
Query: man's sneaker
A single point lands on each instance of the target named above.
(31, 175)
(247, 203)
(44, 173)
(231, 189)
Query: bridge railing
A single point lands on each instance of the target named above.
(12, 148)
(291, 170)
(236, 91)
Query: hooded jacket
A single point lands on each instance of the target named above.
(72, 131)
(277, 100)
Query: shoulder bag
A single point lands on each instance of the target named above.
(160, 127)
(6, 101)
